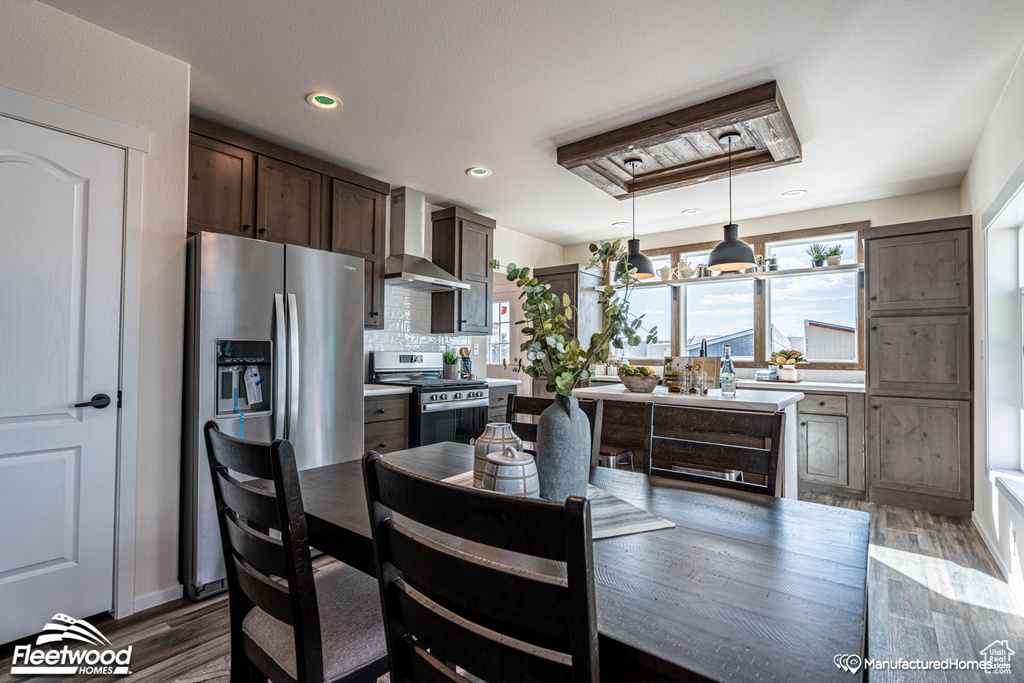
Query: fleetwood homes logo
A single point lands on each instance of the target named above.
(97, 658)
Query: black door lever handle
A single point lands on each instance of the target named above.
(98, 401)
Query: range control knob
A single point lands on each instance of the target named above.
(433, 397)
(444, 397)
(458, 395)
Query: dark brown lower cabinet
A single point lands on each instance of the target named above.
(386, 423)
(920, 449)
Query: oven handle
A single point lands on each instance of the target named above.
(454, 405)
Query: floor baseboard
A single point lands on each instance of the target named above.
(157, 598)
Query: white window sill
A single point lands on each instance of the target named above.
(1011, 484)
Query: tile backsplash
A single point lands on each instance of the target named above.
(407, 327)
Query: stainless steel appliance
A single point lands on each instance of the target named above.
(440, 409)
(273, 346)
(408, 266)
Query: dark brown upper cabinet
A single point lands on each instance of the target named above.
(463, 245)
(579, 283)
(241, 185)
(287, 203)
(221, 187)
(354, 224)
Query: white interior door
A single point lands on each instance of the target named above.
(506, 294)
(61, 226)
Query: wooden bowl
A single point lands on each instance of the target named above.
(640, 384)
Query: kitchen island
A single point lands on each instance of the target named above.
(626, 428)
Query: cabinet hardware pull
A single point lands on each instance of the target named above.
(874, 298)
(874, 407)
(382, 410)
(803, 424)
(262, 231)
(821, 403)
(245, 228)
(381, 445)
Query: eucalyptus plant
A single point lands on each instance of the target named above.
(564, 362)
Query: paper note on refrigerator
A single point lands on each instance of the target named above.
(253, 390)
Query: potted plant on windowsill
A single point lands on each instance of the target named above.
(834, 255)
(787, 361)
(563, 432)
(818, 254)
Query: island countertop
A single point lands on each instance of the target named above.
(746, 399)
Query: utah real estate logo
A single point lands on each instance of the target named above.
(99, 658)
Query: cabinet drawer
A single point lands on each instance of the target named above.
(383, 409)
(499, 398)
(829, 404)
(385, 437)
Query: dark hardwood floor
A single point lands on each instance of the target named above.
(934, 592)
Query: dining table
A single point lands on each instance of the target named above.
(744, 587)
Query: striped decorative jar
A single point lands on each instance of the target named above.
(511, 472)
(496, 438)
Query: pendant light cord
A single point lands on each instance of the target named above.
(730, 181)
(632, 195)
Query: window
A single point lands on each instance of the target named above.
(720, 312)
(816, 314)
(655, 304)
(792, 254)
(498, 340)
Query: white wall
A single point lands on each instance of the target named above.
(913, 207)
(523, 250)
(53, 55)
(997, 165)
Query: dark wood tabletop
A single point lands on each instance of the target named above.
(744, 588)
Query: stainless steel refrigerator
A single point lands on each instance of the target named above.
(273, 350)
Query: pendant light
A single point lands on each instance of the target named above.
(732, 253)
(634, 257)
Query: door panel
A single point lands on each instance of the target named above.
(356, 228)
(476, 251)
(921, 446)
(915, 272)
(475, 307)
(61, 226)
(920, 354)
(822, 449)
(221, 187)
(288, 203)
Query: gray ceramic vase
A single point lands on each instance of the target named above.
(563, 450)
(496, 438)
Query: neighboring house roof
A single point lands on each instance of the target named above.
(829, 326)
(715, 340)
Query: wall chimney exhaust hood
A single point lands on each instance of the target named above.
(407, 266)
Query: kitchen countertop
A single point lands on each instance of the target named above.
(746, 399)
(384, 390)
(502, 382)
(808, 385)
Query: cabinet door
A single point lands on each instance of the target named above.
(920, 354)
(822, 454)
(287, 203)
(357, 228)
(221, 187)
(921, 446)
(565, 284)
(914, 272)
(477, 251)
(475, 307)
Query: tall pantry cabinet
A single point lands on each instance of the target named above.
(920, 364)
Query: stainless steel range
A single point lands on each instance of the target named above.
(440, 409)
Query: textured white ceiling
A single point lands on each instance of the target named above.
(887, 97)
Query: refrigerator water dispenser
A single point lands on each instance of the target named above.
(244, 376)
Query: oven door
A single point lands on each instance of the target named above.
(461, 423)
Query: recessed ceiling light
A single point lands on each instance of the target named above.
(322, 100)
(691, 212)
(478, 171)
(620, 224)
(793, 193)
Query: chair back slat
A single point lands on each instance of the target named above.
(260, 550)
(482, 652)
(273, 574)
(246, 501)
(742, 458)
(529, 406)
(478, 516)
(270, 596)
(764, 428)
(453, 593)
(468, 584)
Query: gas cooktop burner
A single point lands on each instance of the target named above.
(435, 383)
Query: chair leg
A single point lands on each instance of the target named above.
(244, 671)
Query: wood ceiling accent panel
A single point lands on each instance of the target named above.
(682, 148)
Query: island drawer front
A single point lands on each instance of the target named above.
(385, 437)
(385, 408)
(828, 404)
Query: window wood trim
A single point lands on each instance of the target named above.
(759, 244)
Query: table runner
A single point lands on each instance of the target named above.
(609, 515)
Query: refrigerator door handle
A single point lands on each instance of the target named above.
(293, 366)
(280, 367)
